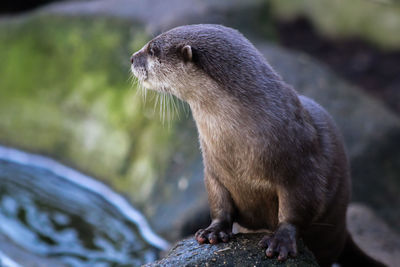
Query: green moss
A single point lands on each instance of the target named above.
(376, 21)
(65, 91)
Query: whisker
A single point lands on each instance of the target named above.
(161, 106)
(184, 107)
(164, 108)
(143, 91)
(136, 85)
(131, 78)
(157, 96)
(174, 105)
(152, 95)
(171, 110)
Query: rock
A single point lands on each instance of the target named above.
(12, 255)
(243, 250)
(373, 235)
(374, 21)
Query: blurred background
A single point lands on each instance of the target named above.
(115, 182)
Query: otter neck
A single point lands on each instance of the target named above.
(218, 113)
(211, 101)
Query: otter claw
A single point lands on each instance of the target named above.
(281, 243)
(213, 235)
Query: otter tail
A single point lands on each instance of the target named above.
(353, 256)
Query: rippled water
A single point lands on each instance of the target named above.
(51, 210)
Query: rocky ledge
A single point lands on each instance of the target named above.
(243, 250)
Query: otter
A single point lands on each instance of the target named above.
(273, 159)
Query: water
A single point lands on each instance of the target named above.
(54, 211)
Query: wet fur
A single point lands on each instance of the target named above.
(272, 158)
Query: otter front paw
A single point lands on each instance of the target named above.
(282, 243)
(214, 234)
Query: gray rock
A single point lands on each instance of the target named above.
(242, 251)
(373, 235)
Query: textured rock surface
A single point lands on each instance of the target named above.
(242, 251)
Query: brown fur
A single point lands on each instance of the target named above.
(273, 159)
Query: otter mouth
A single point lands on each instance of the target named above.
(139, 73)
(143, 78)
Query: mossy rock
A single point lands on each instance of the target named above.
(375, 21)
(65, 92)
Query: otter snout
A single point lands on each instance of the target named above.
(139, 65)
(138, 59)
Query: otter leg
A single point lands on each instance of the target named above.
(221, 206)
(295, 212)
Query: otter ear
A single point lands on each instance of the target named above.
(187, 53)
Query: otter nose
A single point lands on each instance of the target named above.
(133, 56)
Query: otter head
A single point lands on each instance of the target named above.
(201, 62)
(165, 64)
